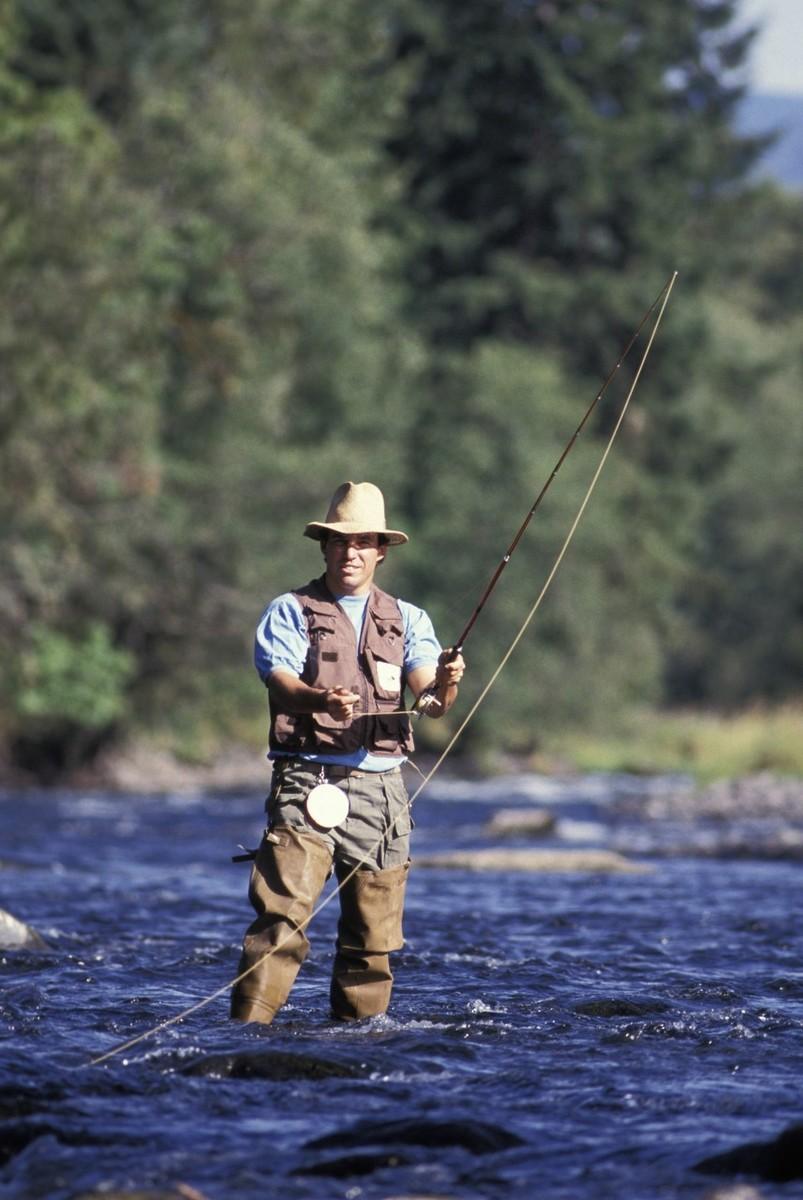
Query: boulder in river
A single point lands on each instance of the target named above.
(620, 1006)
(16, 935)
(746, 798)
(588, 862)
(478, 1137)
(521, 822)
(348, 1165)
(180, 1191)
(270, 1064)
(374, 1145)
(734, 1191)
(115, 1194)
(778, 1161)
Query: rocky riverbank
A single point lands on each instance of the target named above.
(144, 768)
(760, 795)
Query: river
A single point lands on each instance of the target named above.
(564, 1034)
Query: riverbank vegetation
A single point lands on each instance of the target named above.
(250, 251)
(706, 745)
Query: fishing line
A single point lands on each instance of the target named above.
(297, 927)
(663, 299)
(561, 554)
(506, 557)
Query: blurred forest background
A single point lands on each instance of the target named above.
(252, 248)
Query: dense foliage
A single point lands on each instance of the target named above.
(249, 250)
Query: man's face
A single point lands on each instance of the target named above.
(351, 560)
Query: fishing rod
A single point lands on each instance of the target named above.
(662, 298)
(505, 558)
(427, 697)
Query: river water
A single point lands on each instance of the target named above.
(559, 1035)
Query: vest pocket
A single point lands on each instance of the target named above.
(392, 735)
(331, 735)
(386, 676)
(324, 664)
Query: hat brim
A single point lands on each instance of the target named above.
(393, 537)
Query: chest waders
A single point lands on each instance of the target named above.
(288, 875)
(370, 926)
(296, 857)
(286, 880)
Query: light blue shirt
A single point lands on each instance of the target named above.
(282, 643)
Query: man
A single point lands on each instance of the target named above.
(336, 656)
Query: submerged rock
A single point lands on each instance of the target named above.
(18, 1100)
(270, 1064)
(353, 1164)
(105, 1194)
(373, 1144)
(619, 1006)
(16, 935)
(779, 1161)
(478, 1137)
(17, 1136)
(181, 1191)
(759, 841)
(516, 822)
(580, 861)
(763, 795)
(734, 1191)
(773, 844)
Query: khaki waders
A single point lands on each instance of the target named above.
(288, 875)
(286, 880)
(370, 926)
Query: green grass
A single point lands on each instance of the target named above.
(705, 744)
(229, 709)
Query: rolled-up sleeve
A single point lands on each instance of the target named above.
(281, 638)
(421, 646)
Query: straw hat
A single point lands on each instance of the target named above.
(356, 508)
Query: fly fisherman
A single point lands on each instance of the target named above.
(336, 656)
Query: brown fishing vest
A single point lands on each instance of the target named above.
(374, 669)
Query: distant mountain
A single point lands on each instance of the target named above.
(763, 112)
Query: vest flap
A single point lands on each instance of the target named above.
(385, 676)
(386, 617)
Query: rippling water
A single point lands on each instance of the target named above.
(558, 1035)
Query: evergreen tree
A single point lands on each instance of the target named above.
(250, 250)
(741, 634)
(554, 155)
(194, 320)
(558, 161)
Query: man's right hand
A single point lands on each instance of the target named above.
(340, 704)
(291, 695)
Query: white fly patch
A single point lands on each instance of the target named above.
(388, 676)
